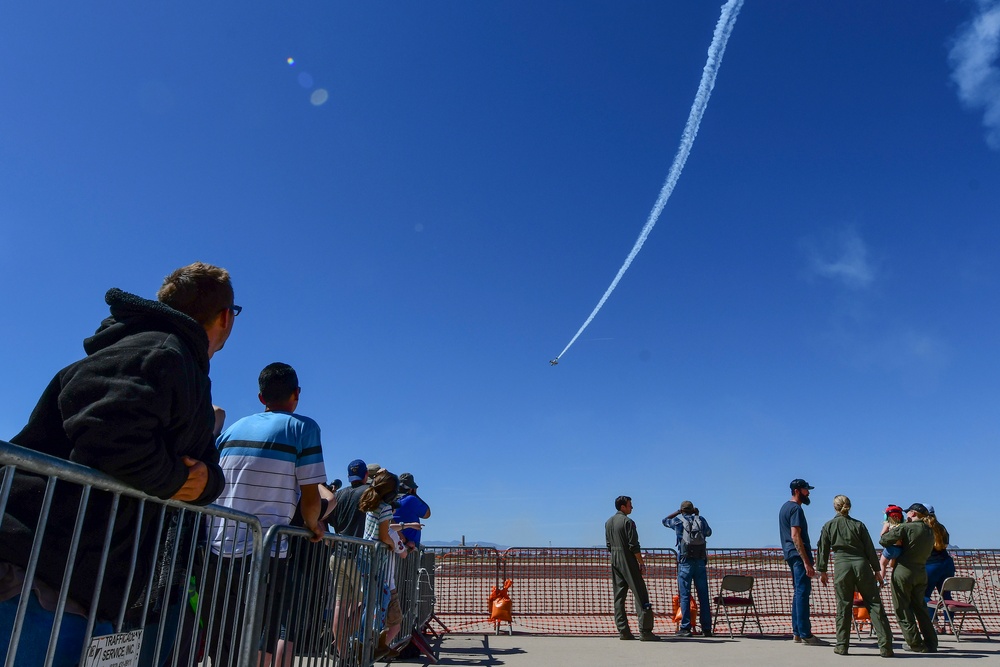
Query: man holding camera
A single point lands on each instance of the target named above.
(692, 560)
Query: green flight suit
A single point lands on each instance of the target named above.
(909, 580)
(854, 568)
(623, 542)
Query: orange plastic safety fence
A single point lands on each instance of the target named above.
(568, 591)
(463, 578)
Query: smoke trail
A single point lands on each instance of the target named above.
(727, 20)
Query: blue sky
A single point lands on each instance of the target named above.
(818, 299)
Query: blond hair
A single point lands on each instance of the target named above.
(842, 505)
(940, 532)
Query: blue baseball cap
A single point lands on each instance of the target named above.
(356, 470)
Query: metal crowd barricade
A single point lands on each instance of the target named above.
(426, 599)
(134, 565)
(320, 600)
(407, 578)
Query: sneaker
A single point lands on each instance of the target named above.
(840, 650)
(626, 636)
(886, 653)
(649, 637)
(796, 639)
(919, 648)
(813, 640)
(683, 632)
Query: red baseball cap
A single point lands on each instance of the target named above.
(894, 509)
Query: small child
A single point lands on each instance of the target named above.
(893, 517)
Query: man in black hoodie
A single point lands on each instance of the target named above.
(137, 407)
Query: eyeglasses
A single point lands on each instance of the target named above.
(236, 309)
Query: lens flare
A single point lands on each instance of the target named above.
(319, 97)
(290, 60)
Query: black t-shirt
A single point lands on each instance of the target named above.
(346, 518)
(297, 520)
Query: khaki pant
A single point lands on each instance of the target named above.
(911, 610)
(625, 575)
(852, 574)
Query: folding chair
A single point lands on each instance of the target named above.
(732, 583)
(861, 614)
(949, 608)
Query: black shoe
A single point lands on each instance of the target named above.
(683, 632)
(707, 633)
(886, 653)
(626, 636)
(649, 637)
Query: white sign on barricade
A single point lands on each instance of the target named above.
(119, 650)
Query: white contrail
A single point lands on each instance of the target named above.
(727, 20)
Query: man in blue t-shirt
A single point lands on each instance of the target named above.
(410, 508)
(794, 532)
(273, 461)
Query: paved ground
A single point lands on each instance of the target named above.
(538, 651)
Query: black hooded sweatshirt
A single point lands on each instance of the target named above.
(133, 407)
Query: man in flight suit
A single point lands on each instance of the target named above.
(909, 579)
(626, 571)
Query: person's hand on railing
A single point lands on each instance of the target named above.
(317, 532)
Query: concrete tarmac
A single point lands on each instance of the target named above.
(546, 651)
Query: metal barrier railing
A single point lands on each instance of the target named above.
(84, 545)
(407, 575)
(426, 597)
(322, 597)
(149, 585)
